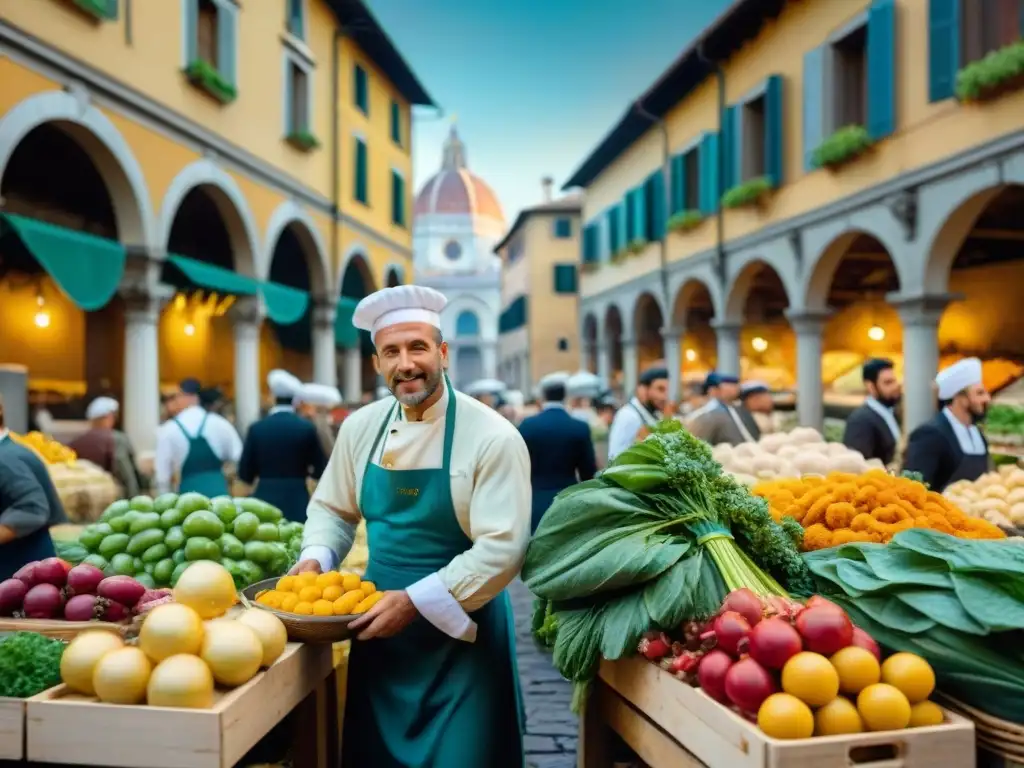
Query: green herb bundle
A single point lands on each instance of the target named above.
(661, 536)
(29, 664)
(958, 603)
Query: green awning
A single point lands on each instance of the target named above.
(285, 305)
(346, 335)
(215, 278)
(85, 267)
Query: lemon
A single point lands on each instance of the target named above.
(883, 707)
(310, 594)
(858, 668)
(811, 678)
(926, 713)
(783, 716)
(837, 717)
(910, 674)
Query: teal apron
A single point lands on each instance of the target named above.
(289, 494)
(203, 471)
(28, 549)
(422, 699)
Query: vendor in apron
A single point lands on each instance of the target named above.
(281, 451)
(950, 447)
(194, 445)
(443, 483)
(642, 413)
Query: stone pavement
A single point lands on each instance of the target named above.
(551, 729)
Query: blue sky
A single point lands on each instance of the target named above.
(534, 85)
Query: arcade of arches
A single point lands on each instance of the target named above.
(808, 338)
(91, 303)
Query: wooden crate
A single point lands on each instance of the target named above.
(704, 732)
(1002, 740)
(63, 727)
(12, 728)
(58, 630)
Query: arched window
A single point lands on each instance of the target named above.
(467, 324)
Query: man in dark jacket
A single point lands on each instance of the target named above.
(872, 429)
(106, 447)
(561, 451)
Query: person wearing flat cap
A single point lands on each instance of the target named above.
(950, 447)
(872, 429)
(315, 402)
(756, 407)
(106, 447)
(281, 451)
(193, 446)
(443, 483)
(642, 411)
(711, 390)
(561, 451)
(720, 420)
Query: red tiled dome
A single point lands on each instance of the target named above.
(454, 189)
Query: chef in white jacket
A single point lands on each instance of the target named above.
(443, 483)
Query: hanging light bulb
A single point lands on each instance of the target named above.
(876, 333)
(691, 355)
(42, 317)
(190, 330)
(759, 343)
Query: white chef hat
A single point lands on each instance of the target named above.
(559, 378)
(958, 377)
(100, 407)
(486, 387)
(583, 384)
(321, 395)
(401, 304)
(753, 387)
(282, 384)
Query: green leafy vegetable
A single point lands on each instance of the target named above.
(29, 664)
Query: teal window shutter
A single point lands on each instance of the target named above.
(227, 41)
(361, 87)
(881, 66)
(613, 229)
(588, 244)
(656, 213)
(629, 214)
(732, 146)
(361, 191)
(562, 228)
(396, 123)
(190, 14)
(565, 278)
(774, 120)
(289, 100)
(678, 184)
(943, 48)
(295, 21)
(710, 187)
(397, 199)
(814, 104)
(640, 229)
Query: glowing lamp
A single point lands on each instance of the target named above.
(190, 330)
(691, 355)
(876, 333)
(759, 344)
(42, 319)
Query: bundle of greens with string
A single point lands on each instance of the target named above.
(658, 538)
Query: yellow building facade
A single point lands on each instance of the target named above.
(539, 294)
(808, 187)
(238, 165)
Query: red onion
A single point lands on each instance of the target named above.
(83, 579)
(824, 629)
(748, 684)
(744, 602)
(711, 674)
(861, 639)
(12, 595)
(730, 629)
(773, 642)
(52, 570)
(114, 611)
(27, 574)
(85, 608)
(121, 589)
(43, 601)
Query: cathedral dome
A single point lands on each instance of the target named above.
(455, 191)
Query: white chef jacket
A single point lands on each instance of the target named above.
(172, 445)
(626, 425)
(490, 482)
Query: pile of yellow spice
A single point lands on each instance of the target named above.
(874, 506)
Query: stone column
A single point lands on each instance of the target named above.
(247, 319)
(325, 362)
(727, 335)
(489, 353)
(630, 366)
(352, 389)
(810, 404)
(604, 363)
(141, 408)
(920, 317)
(672, 339)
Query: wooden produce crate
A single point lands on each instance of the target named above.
(64, 727)
(12, 728)
(670, 724)
(58, 630)
(1001, 740)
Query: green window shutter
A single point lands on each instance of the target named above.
(289, 99)
(710, 187)
(295, 21)
(227, 39)
(774, 120)
(678, 184)
(731, 146)
(881, 66)
(563, 228)
(396, 123)
(814, 104)
(590, 243)
(565, 278)
(641, 230)
(655, 205)
(615, 230)
(361, 192)
(362, 89)
(190, 14)
(943, 48)
(397, 199)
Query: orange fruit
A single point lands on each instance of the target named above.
(286, 584)
(811, 678)
(858, 668)
(368, 587)
(926, 713)
(883, 707)
(323, 608)
(310, 594)
(839, 716)
(332, 593)
(782, 716)
(910, 674)
(350, 581)
(304, 609)
(306, 579)
(289, 601)
(329, 579)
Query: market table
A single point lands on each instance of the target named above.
(67, 729)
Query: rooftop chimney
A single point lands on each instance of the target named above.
(546, 183)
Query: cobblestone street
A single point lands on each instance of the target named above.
(551, 729)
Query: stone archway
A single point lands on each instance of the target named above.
(648, 323)
(394, 276)
(755, 340)
(692, 314)
(355, 283)
(590, 341)
(612, 338)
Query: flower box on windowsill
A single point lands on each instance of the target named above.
(303, 140)
(620, 256)
(205, 76)
(750, 193)
(842, 147)
(588, 267)
(636, 247)
(1000, 72)
(684, 221)
(102, 10)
